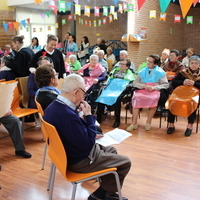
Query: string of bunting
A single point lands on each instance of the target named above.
(112, 15)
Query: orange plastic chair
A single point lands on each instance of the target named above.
(58, 156)
(18, 111)
(23, 90)
(45, 135)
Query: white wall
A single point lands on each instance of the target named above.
(38, 26)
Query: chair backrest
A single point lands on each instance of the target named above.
(16, 99)
(109, 65)
(23, 90)
(56, 149)
(39, 107)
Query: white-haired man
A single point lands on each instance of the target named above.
(123, 55)
(78, 137)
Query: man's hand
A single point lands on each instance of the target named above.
(85, 107)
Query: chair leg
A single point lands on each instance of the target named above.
(74, 191)
(44, 155)
(50, 176)
(23, 119)
(197, 126)
(52, 182)
(118, 185)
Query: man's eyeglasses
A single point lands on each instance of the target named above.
(84, 93)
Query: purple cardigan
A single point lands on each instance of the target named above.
(77, 135)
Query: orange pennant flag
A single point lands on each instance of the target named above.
(38, 1)
(185, 6)
(16, 24)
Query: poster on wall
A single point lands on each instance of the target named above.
(40, 29)
(34, 30)
(27, 29)
(49, 28)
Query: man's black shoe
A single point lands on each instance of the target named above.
(170, 130)
(116, 124)
(188, 132)
(23, 154)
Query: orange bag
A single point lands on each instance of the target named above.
(184, 100)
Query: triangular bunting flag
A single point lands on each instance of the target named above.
(38, 1)
(195, 2)
(24, 23)
(164, 5)
(55, 10)
(28, 20)
(16, 24)
(10, 26)
(76, 1)
(185, 6)
(69, 5)
(42, 15)
(5, 26)
(115, 2)
(140, 3)
(47, 13)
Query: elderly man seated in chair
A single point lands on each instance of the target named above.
(78, 137)
(119, 78)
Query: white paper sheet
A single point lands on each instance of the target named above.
(115, 136)
(6, 91)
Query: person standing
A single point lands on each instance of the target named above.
(84, 54)
(72, 47)
(66, 42)
(53, 53)
(22, 57)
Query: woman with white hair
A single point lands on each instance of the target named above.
(110, 55)
(75, 65)
(92, 72)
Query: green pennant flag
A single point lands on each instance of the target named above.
(130, 7)
(64, 21)
(47, 13)
(105, 11)
(99, 22)
(189, 20)
(62, 6)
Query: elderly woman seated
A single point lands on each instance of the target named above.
(149, 81)
(74, 64)
(187, 77)
(118, 80)
(92, 72)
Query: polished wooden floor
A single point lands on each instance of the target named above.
(164, 167)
